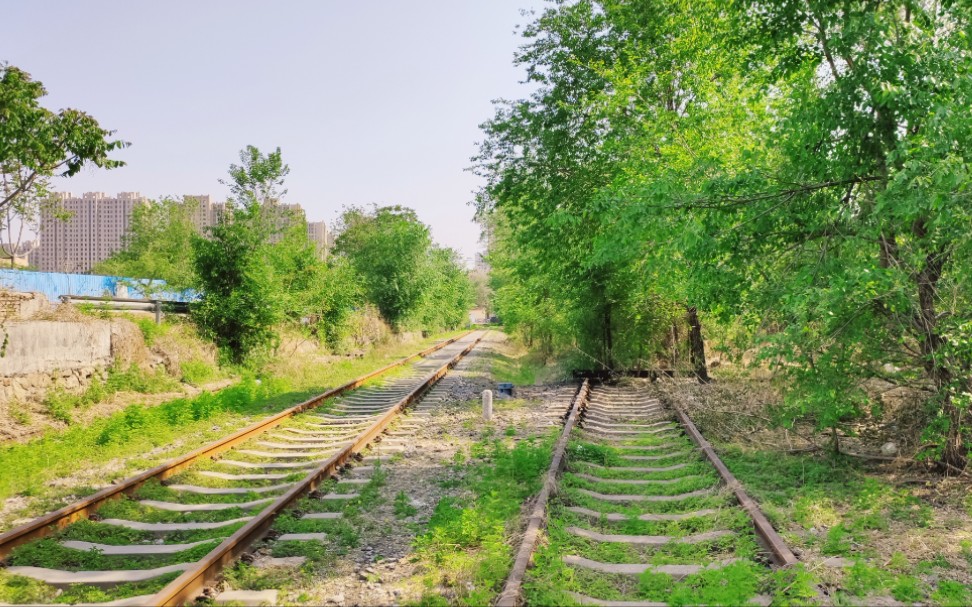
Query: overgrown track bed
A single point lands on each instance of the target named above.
(646, 514)
(167, 539)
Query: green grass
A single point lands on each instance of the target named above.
(150, 330)
(128, 433)
(814, 485)
(49, 553)
(836, 507)
(20, 590)
(467, 544)
(522, 369)
(550, 581)
(62, 405)
(93, 531)
(741, 545)
(197, 372)
(402, 507)
(952, 594)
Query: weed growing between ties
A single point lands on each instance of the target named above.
(466, 546)
(49, 553)
(19, 590)
(402, 507)
(736, 574)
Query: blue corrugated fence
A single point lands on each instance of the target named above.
(55, 284)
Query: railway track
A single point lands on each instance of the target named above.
(645, 514)
(163, 537)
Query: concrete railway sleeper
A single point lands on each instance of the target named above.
(641, 512)
(167, 541)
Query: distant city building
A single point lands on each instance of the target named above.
(97, 225)
(206, 212)
(93, 232)
(318, 234)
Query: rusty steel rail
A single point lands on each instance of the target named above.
(48, 523)
(538, 516)
(187, 586)
(781, 554)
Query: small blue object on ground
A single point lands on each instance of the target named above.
(505, 388)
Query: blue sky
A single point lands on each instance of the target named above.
(371, 102)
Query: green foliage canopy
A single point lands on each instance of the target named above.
(36, 143)
(796, 167)
(413, 283)
(155, 246)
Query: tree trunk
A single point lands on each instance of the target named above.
(675, 338)
(926, 322)
(696, 344)
(608, 337)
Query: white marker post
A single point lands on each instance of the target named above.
(487, 404)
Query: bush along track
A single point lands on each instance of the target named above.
(145, 546)
(642, 518)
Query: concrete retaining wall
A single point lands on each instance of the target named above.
(39, 353)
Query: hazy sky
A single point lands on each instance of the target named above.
(370, 101)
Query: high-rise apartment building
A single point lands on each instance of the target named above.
(96, 225)
(94, 230)
(206, 212)
(318, 234)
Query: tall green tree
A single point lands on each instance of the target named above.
(258, 179)
(248, 265)
(795, 166)
(871, 174)
(240, 303)
(155, 246)
(37, 144)
(387, 247)
(449, 294)
(258, 272)
(413, 283)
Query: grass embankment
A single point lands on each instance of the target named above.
(895, 541)
(63, 465)
(467, 545)
(867, 532)
(514, 363)
(166, 360)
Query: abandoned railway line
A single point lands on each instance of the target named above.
(644, 507)
(633, 493)
(183, 522)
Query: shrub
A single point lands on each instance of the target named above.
(197, 372)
